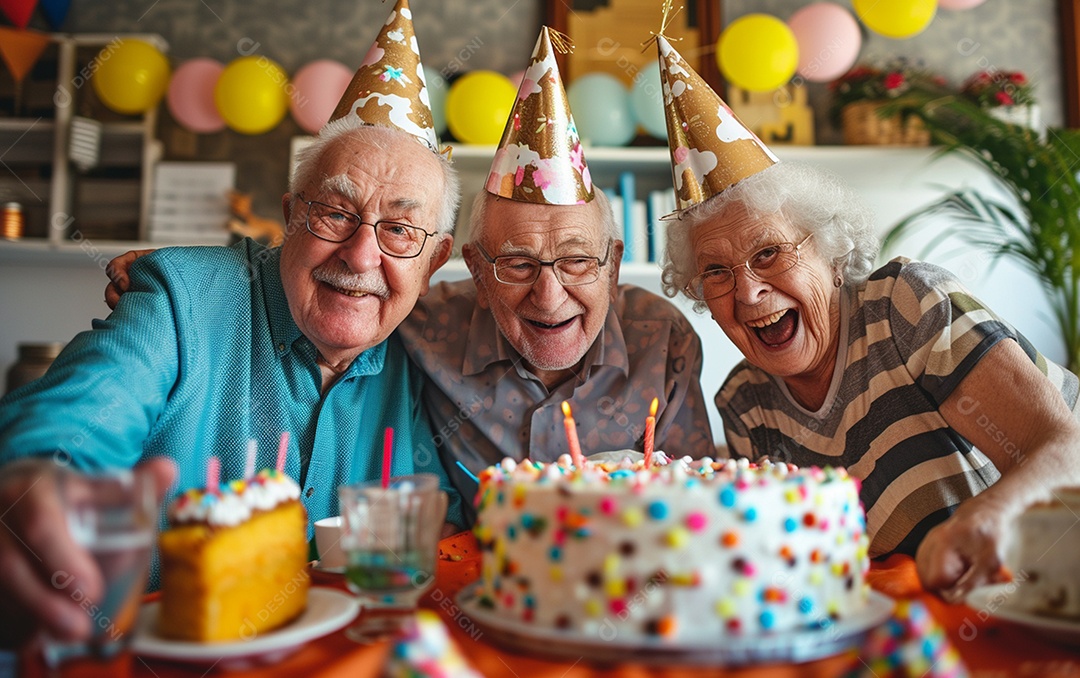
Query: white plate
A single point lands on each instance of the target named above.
(327, 610)
(789, 646)
(991, 599)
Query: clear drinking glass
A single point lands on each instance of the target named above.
(391, 538)
(114, 516)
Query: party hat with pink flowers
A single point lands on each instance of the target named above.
(711, 149)
(388, 90)
(539, 158)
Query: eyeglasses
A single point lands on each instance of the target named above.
(334, 224)
(515, 269)
(767, 262)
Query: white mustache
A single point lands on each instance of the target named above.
(369, 282)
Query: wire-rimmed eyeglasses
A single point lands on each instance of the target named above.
(518, 269)
(334, 224)
(766, 262)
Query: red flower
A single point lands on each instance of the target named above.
(894, 80)
(1003, 98)
(1017, 78)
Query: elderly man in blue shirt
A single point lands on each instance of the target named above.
(212, 347)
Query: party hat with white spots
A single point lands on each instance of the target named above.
(388, 89)
(711, 149)
(539, 158)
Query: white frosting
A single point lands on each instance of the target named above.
(1042, 556)
(234, 502)
(690, 550)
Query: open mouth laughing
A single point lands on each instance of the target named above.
(777, 329)
(548, 326)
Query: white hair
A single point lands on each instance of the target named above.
(308, 171)
(483, 199)
(809, 198)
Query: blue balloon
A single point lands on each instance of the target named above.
(437, 89)
(601, 108)
(647, 101)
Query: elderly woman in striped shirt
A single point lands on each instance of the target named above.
(895, 373)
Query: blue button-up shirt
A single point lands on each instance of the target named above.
(201, 355)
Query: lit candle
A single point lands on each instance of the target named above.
(650, 432)
(571, 437)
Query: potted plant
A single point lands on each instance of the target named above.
(864, 103)
(1038, 226)
(1007, 95)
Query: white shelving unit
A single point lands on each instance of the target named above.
(69, 207)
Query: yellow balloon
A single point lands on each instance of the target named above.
(896, 18)
(130, 77)
(478, 105)
(252, 94)
(757, 52)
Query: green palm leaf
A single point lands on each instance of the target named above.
(1038, 226)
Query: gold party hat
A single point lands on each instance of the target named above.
(539, 158)
(711, 149)
(389, 89)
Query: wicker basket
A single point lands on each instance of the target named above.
(862, 126)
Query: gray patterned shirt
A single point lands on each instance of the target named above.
(485, 405)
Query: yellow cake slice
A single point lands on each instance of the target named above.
(234, 564)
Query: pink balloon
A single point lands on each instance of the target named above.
(191, 95)
(957, 5)
(829, 41)
(516, 79)
(317, 87)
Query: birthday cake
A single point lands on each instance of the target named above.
(1042, 555)
(234, 563)
(690, 550)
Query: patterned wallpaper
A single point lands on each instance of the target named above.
(458, 35)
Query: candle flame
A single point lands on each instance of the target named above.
(566, 409)
(653, 406)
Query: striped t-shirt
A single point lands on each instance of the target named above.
(907, 338)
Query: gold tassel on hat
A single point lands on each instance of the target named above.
(389, 90)
(539, 158)
(711, 149)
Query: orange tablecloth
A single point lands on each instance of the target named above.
(989, 648)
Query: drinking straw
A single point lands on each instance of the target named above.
(387, 453)
(468, 472)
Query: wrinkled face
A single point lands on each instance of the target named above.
(786, 325)
(550, 325)
(347, 297)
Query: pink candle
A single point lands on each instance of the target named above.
(650, 432)
(282, 449)
(387, 455)
(571, 437)
(213, 475)
(249, 461)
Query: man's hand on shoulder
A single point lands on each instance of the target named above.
(117, 270)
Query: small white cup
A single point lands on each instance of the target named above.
(328, 542)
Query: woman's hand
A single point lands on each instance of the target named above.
(1012, 413)
(117, 270)
(965, 551)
